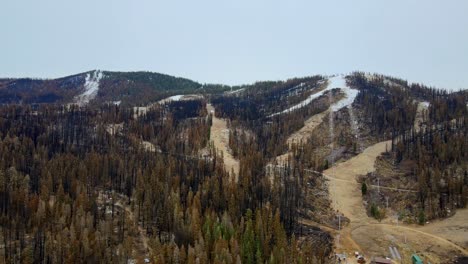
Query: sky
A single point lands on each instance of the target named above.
(237, 42)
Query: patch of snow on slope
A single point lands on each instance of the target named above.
(296, 89)
(91, 87)
(301, 104)
(171, 98)
(181, 97)
(337, 81)
(235, 91)
(425, 104)
(142, 110)
(175, 98)
(350, 94)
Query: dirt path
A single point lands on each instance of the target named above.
(141, 231)
(118, 200)
(375, 238)
(364, 233)
(454, 229)
(353, 182)
(347, 199)
(419, 231)
(219, 134)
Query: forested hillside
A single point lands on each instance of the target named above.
(31, 91)
(129, 88)
(116, 167)
(428, 156)
(79, 191)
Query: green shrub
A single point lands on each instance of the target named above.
(421, 217)
(364, 188)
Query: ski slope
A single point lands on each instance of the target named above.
(350, 94)
(91, 87)
(337, 81)
(141, 110)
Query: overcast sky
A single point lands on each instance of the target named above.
(238, 41)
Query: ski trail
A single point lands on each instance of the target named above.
(337, 81)
(309, 126)
(91, 87)
(219, 134)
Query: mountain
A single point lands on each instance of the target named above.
(129, 88)
(138, 167)
(139, 88)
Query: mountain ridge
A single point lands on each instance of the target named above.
(133, 87)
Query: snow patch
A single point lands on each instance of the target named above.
(171, 98)
(337, 81)
(347, 101)
(235, 91)
(175, 98)
(425, 104)
(91, 88)
(301, 104)
(180, 97)
(142, 110)
(296, 89)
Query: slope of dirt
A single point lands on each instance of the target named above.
(347, 198)
(309, 125)
(373, 238)
(219, 134)
(454, 228)
(303, 134)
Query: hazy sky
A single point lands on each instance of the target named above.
(239, 41)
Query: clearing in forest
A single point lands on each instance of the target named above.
(372, 237)
(420, 111)
(219, 135)
(309, 126)
(314, 121)
(142, 110)
(346, 199)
